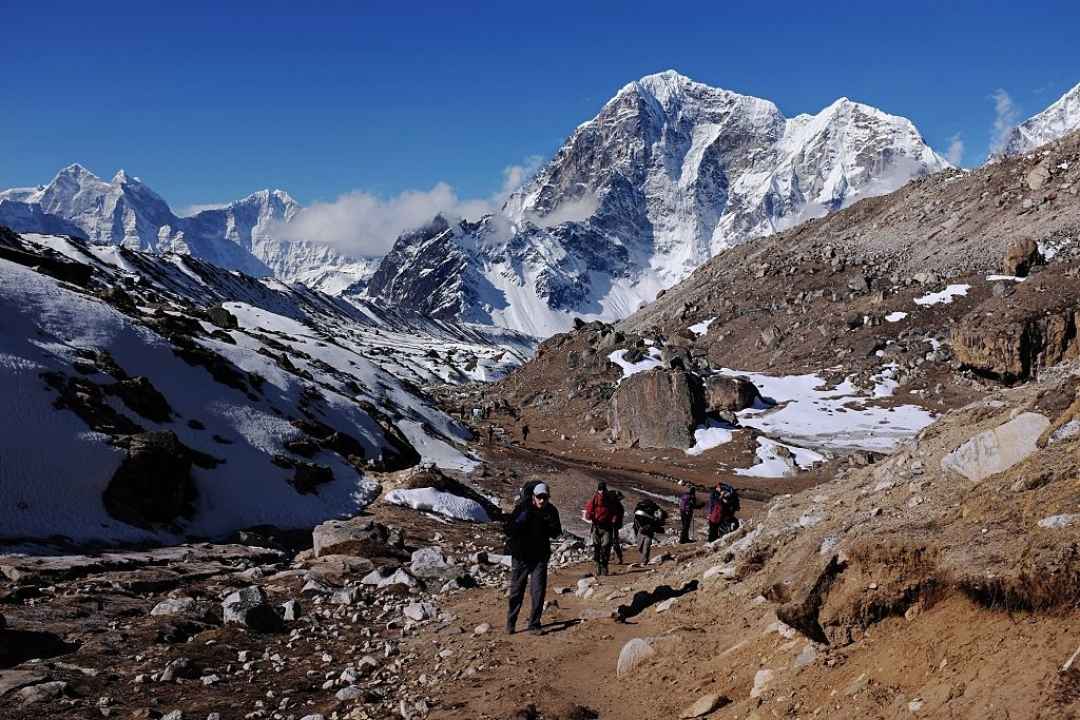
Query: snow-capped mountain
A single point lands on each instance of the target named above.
(1054, 122)
(669, 173)
(127, 213)
(282, 399)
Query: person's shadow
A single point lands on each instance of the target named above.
(559, 625)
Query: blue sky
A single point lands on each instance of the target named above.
(210, 101)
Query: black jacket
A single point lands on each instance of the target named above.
(530, 530)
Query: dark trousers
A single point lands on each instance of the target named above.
(644, 542)
(602, 537)
(616, 547)
(684, 529)
(726, 525)
(534, 574)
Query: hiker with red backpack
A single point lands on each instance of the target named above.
(602, 510)
(533, 524)
(688, 502)
(723, 504)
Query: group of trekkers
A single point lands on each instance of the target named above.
(534, 523)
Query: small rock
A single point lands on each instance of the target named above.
(704, 705)
(174, 606)
(291, 610)
(42, 692)
(761, 682)
(349, 693)
(633, 653)
(419, 611)
(806, 657)
(482, 629)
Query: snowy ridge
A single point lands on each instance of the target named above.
(669, 173)
(238, 394)
(125, 212)
(1056, 121)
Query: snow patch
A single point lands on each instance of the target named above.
(441, 503)
(944, 297)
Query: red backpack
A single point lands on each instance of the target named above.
(598, 511)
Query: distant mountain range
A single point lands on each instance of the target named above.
(127, 213)
(668, 174)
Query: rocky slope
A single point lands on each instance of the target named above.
(126, 212)
(913, 298)
(1056, 121)
(157, 396)
(669, 173)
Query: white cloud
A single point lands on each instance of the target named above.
(360, 223)
(575, 210)
(1006, 114)
(199, 207)
(955, 153)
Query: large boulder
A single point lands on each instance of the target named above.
(1010, 341)
(659, 408)
(360, 536)
(249, 607)
(1021, 255)
(997, 450)
(725, 392)
(153, 484)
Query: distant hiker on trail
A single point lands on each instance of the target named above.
(648, 520)
(602, 510)
(723, 504)
(524, 434)
(491, 434)
(688, 502)
(616, 543)
(533, 524)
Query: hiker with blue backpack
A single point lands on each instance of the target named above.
(688, 502)
(533, 524)
(723, 504)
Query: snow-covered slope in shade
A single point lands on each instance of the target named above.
(1056, 121)
(669, 173)
(237, 395)
(125, 212)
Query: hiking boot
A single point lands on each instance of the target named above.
(510, 629)
(535, 630)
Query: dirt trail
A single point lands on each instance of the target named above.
(978, 663)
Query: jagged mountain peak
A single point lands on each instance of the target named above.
(669, 173)
(1056, 121)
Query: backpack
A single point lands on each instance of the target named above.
(649, 515)
(603, 512)
(729, 496)
(723, 502)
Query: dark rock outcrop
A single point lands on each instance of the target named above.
(140, 395)
(153, 484)
(1012, 343)
(222, 317)
(659, 408)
